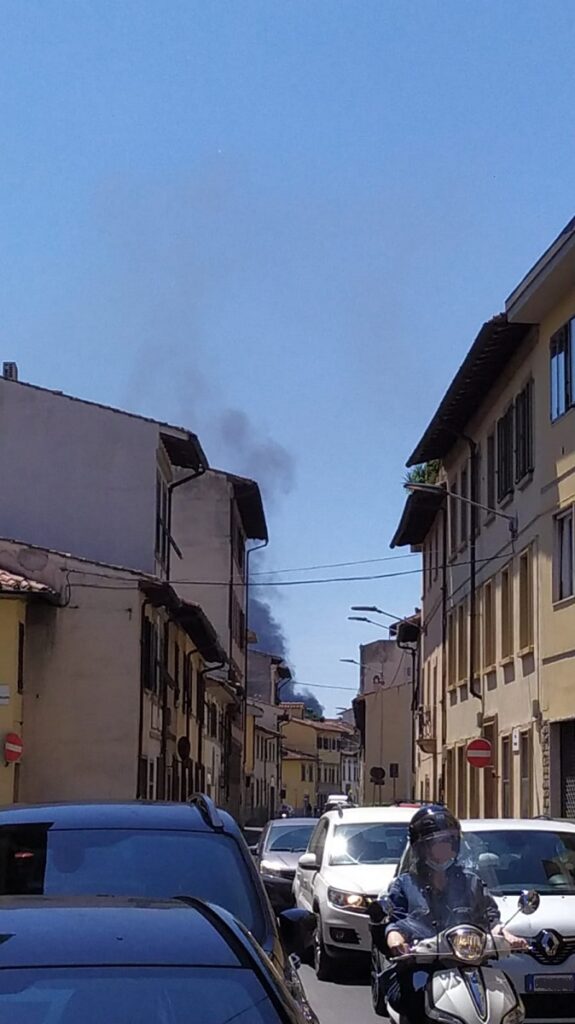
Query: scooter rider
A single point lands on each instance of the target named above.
(435, 893)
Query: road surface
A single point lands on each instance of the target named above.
(348, 1001)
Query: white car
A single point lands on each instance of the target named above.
(515, 854)
(351, 858)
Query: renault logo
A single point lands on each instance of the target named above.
(549, 943)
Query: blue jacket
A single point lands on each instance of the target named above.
(421, 911)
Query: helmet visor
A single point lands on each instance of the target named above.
(439, 850)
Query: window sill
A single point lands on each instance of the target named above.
(489, 518)
(564, 602)
(507, 660)
(561, 415)
(526, 651)
(489, 670)
(524, 481)
(506, 500)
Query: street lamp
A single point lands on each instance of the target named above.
(363, 618)
(439, 489)
(377, 611)
(350, 661)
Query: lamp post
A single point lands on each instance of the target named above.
(375, 611)
(363, 618)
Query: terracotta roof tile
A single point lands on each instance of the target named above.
(12, 584)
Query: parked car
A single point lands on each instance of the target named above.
(351, 858)
(335, 799)
(281, 845)
(90, 960)
(148, 850)
(510, 856)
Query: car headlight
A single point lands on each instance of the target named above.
(354, 901)
(271, 867)
(467, 943)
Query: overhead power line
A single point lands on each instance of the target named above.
(334, 565)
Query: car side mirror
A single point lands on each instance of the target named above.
(529, 901)
(297, 928)
(308, 862)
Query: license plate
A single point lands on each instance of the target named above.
(550, 983)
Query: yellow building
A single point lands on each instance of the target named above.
(15, 593)
(498, 654)
(312, 759)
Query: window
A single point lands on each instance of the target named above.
(238, 544)
(505, 455)
(463, 506)
(507, 648)
(453, 509)
(475, 488)
(449, 779)
(162, 520)
(430, 561)
(149, 665)
(524, 432)
(21, 638)
(151, 780)
(490, 472)
(303, 773)
(176, 674)
(526, 600)
(564, 584)
(506, 778)
(488, 626)
(562, 370)
(238, 623)
(462, 641)
(525, 774)
(436, 551)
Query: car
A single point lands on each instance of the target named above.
(252, 835)
(335, 799)
(152, 850)
(512, 855)
(281, 845)
(65, 960)
(351, 858)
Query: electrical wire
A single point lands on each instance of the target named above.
(334, 565)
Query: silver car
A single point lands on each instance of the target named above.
(280, 847)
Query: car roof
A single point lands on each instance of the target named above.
(137, 814)
(517, 825)
(371, 814)
(290, 822)
(59, 931)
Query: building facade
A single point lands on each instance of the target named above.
(498, 574)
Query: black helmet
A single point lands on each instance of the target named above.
(432, 824)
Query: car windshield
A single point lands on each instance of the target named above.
(289, 840)
(116, 995)
(515, 859)
(156, 864)
(368, 843)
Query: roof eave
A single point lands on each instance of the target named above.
(418, 515)
(547, 279)
(184, 450)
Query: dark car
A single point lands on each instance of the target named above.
(280, 847)
(89, 960)
(150, 850)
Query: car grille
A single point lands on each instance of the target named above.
(552, 1007)
(565, 949)
(287, 873)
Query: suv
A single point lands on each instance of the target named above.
(511, 855)
(147, 850)
(351, 858)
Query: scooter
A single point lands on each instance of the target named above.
(465, 986)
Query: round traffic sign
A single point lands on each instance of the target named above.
(13, 747)
(479, 753)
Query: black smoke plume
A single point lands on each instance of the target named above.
(271, 640)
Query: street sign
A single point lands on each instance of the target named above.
(13, 748)
(394, 770)
(479, 753)
(377, 775)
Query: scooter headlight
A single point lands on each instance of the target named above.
(515, 1016)
(468, 944)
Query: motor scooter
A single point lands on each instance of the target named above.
(466, 984)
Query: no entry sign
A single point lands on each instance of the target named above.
(13, 747)
(479, 753)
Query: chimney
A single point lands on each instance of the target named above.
(10, 371)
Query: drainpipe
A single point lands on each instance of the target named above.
(249, 553)
(441, 793)
(171, 488)
(201, 716)
(139, 794)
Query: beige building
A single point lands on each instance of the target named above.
(312, 753)
(498, 575)
(384, 709)
(110, 690)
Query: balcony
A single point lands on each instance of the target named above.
(426, 739)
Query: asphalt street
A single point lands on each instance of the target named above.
(347, 1001)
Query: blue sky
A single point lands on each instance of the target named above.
(299, 210)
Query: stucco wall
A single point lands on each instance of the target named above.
(77, 477)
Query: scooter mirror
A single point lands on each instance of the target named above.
(529, 901)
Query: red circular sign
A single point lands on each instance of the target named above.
(13, 747)
(479, 753)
